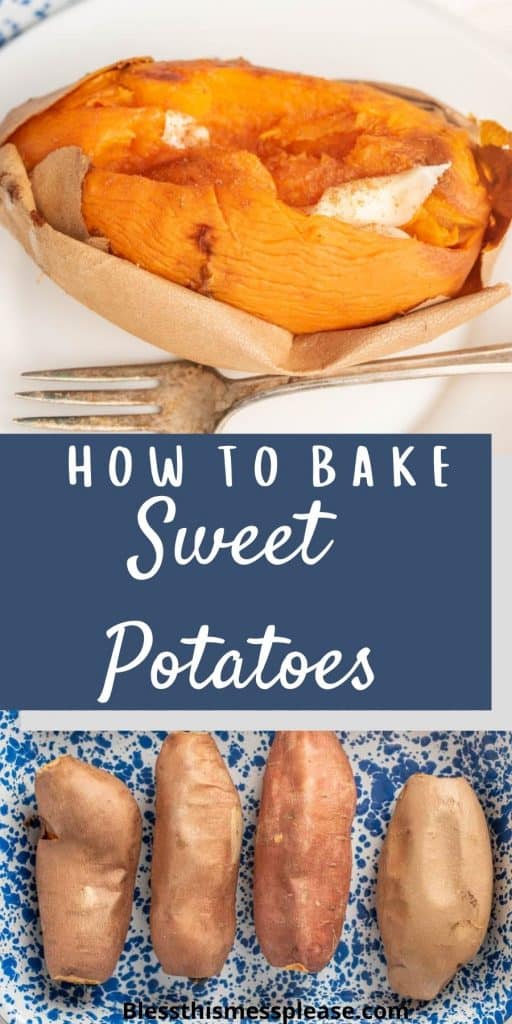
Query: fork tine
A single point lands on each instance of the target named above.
(136, 422)
(135, 397)
(101, 374)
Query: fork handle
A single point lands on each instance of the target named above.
(485, 359)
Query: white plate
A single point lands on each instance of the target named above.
(399, 41)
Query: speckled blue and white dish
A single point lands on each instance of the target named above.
(481, 992)
(17, 15)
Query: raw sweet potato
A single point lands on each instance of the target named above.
(303, 857)
(196, 853)
(232, 180)
(435, 884)
(86, 863)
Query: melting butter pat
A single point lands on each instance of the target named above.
(182, 131)
(382, 203)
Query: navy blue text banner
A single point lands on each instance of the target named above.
(224, 572)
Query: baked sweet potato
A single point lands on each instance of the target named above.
(303, 858)
(196, 854)
(86, 863)
(435, 884)
(207, 173)
(295, 211)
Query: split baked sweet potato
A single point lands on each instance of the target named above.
(435, 884)
(319, 207)
(208, 173)
(86, 863)
(303, 859)
(196, 853)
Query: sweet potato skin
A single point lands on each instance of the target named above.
(435, 884)
(196, 854)
(303, 858)
(86, 863)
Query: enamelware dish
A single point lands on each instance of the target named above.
(382, 761)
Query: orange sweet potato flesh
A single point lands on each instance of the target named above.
(303, 857)
(227, 217)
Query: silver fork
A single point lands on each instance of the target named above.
(186, 398)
